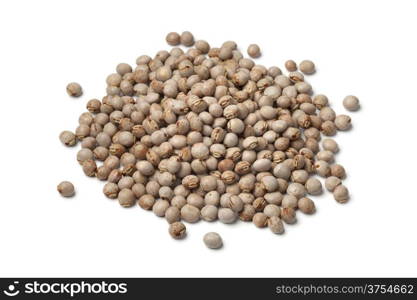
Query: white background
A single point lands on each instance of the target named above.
(365, 48)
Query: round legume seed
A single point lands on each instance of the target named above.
(275, 225)
(307, 67)
(209, 213)
(172, 214)
(306, 205)
(313, 186)
(341, 193)
(260, 219)
(290, 65)
(111, 190)
(332, 182)
(74, 89)
(226, 215)
(254, 51)
(343, 122)
(126, 198)
(66, 189)
(177, 230)
(187, 39)
(351, 103)
(173, 39)
(68, 138)
(190, 214)
(330, 145)
(213, 240)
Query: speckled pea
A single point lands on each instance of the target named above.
(190, 214)
(254, 51)
(74, 89)
(66, 189)
(213, 240)
(226, 215)
(341, 193)
(351, 103)
(307, 67)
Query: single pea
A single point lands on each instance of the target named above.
(327, 114)
(209, 213)
(262, 165)
(208, 183)
(160, 207)
(307, 67)
(300, 176)
(288, 215)
(187, 39)
(270, 183)
(123, 69)
(275, 225)
(247, 213)
(351, 103)
(296, 189)
(68, 138)
(145, 167)
(89, 143)
(325, 155)
(126, 138)
(272, 210)
(74, 89)
(322, 168)
(289, 201)
(126, 198)
(254, 51)
(320, 101)
(227, 215)
(126, 182)
(146, 201)
(337, 171)
(330, 145)
(89, 167)
(200, 151)
(306, 205)
(84, 154)
(328, 128)
(172, 214)
(332, 182)
(203, 46)
(260, 219)
(173, 39)
(341, 193)
(314, 186)
(225, 53)
(111, 190)
(190, 214)
(177, 230)
(213, 240)
(343, 122)
(66, 189)
(94, 105)
(290, 65)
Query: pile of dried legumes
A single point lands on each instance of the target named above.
(208, 134)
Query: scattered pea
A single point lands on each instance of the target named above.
(341, 193)
(213, 240)
(173, 39)
(177, 230)
(351, 103)
(254, 51)
(74, 89)
(66, 189)
(307, 67)
(291, 65)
